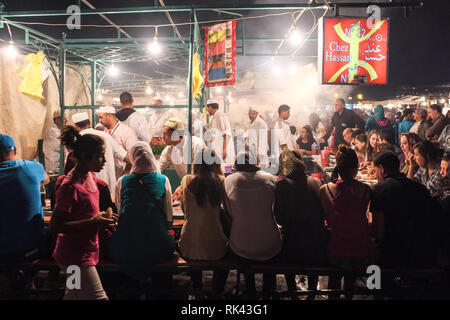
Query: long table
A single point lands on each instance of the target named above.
(332, 163)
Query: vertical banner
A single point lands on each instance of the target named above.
(220, 54)
(352, 53)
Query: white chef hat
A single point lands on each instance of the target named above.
(157, 97)
(79, 117)
(212, 101)
(107, 109)
(253, 108)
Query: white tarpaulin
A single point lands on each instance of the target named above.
(25, 118)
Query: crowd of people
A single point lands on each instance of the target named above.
(113, 201)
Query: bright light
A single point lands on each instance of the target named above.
(168, 97)
(295, 38)
(230, 99)
(336, 95)
(113, 71)
(276, 71)
(424, 104)
(360, 96)
(180, 94)
(292, 68)
(442, 101)
(148, 90)
(422, 99)
(350, 98)
(154, 47)
(11, 51)
(219, 89)
(99, 97)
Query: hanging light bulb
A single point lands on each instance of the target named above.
(113, 71)
(148, 90)
(154, 48)
(295, 37)
(11, 51)
(99, 97)
(180, 94)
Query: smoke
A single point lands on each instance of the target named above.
(267, 91)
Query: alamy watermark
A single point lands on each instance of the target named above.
(74, 20)
(254, 143)
(73, 281)
(375, 15)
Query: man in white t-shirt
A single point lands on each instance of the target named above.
(133, 119)
(282, 132)
(112, 150)
(120, 132)
(219, 131)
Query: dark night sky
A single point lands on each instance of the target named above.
(419, 50)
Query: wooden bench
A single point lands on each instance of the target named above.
(178, 265)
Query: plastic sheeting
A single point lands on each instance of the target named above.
(25, 118)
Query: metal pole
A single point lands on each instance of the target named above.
(191, 58)
(93, 81)
(62, 64)
(188, 8)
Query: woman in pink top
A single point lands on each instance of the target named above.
(345, 202)
(76, 219)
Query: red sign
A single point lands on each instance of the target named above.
(353, 51)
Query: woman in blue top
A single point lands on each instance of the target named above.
(144, 203)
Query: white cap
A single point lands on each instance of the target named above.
(157, 97)
(56, 113)
(80, 116)
(107, 109)
(211, 101)
(253, 108)
(174, 123)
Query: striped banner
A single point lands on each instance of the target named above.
(220, 54)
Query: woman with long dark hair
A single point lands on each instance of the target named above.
(407, 142)
(345, 202)
(76, 219)
(362, 146)
(428, 158)
(305, 141)
(202, 197)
